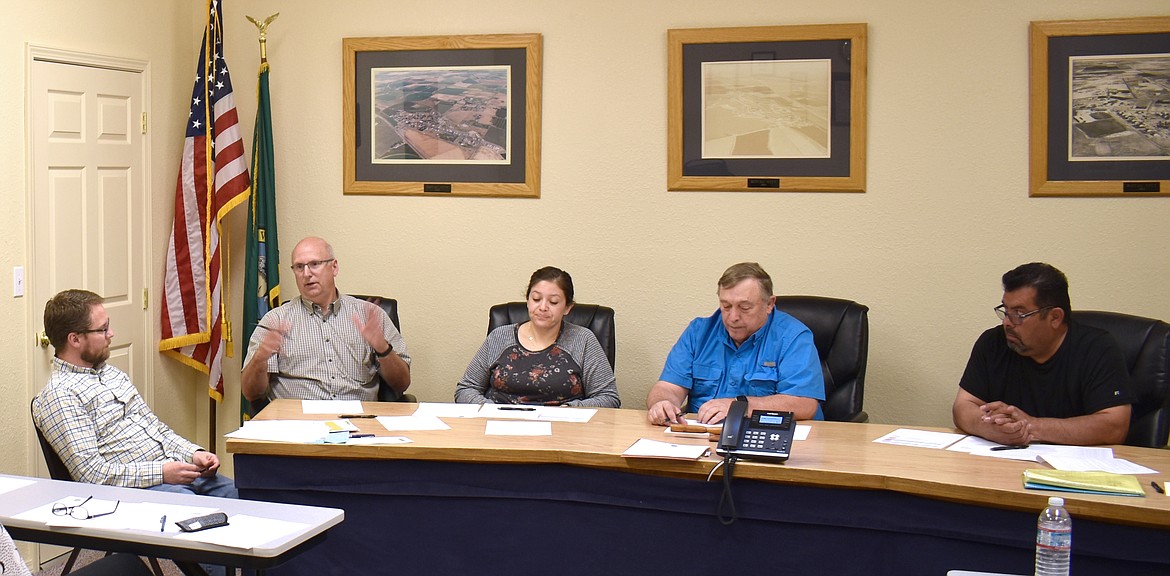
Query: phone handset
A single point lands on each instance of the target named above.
(729, 438)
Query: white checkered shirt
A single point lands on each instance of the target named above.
(103, 430)
(323, 356)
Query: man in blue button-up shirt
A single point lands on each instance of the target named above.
(746, 348)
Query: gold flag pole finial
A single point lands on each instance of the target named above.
(263, 27)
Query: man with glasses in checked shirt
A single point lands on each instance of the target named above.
(323, 345)
(97, 423)
(1040, 376)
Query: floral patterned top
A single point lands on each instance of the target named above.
(573, 371)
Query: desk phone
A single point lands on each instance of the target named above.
(765, 435)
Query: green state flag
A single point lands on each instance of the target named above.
(262, 265)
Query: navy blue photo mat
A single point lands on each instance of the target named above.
(1060, 49)
(512, 172)
(838, 52)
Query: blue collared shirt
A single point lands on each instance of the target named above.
(780, 358)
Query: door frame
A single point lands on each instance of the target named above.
(37, 53)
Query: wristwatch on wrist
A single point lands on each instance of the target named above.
(389, 349)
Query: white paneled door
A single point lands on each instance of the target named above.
(88, 202)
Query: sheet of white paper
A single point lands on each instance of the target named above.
(514, 428)
(412, 423)
(302, 431)
(565, 414)
(128, 516)
(148, 513)
(246, 532)
(919, 438)
(647, 448)
(971, 444)
(447, 410)
(380, 440)
(1034, 452)
(1083, 464)
(802, 431)
(331, 406)
(509, 411)
(10, 484)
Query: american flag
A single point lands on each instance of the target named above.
(193, 314)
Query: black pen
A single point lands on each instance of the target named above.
(998, 448)
(357, 435)
(357, 416)
(162, 525)
(1157, 488)
(517, 408)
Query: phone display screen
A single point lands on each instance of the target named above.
(770, 419)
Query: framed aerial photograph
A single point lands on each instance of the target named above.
(767, 108)
(1100, 108)
(442, 115)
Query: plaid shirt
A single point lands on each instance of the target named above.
(323, 355)
(103, 430)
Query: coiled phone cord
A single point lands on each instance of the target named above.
(726, 499)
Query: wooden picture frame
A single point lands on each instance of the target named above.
(1092, 130)
(455, 115)
(809, 80)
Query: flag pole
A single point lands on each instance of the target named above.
(263, 27)
(261, 279)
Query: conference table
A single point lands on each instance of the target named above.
(32, 493)
(460, 501)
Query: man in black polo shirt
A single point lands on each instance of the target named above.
(1040, 376)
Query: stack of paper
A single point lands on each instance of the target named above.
(1106, 483)
(647, 448)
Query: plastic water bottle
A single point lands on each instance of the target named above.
(1053, 539)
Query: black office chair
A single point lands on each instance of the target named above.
(58, 471)
(390, 306)
(1145, 344)
(841, 333)
(598, 319)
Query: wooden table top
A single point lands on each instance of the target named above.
(835, 455)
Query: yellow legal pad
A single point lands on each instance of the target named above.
(1106, 483)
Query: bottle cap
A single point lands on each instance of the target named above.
(1055, 501)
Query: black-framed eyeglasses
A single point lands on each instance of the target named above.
(103, 330)
(79, 511)
(1017, 318)
(313, 265)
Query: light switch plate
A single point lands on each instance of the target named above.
(17, 281)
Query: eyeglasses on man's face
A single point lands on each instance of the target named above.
(1017, 318)
(312, 265)
(103, 330)
(79, 512)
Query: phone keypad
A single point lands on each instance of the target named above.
(759, 439)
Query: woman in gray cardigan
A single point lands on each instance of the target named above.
(545, 360)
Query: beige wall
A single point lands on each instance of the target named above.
(946, 211)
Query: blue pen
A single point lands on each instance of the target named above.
(163, 524)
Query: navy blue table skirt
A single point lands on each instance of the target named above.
(425, 517)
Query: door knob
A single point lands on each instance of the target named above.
(43, 340)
